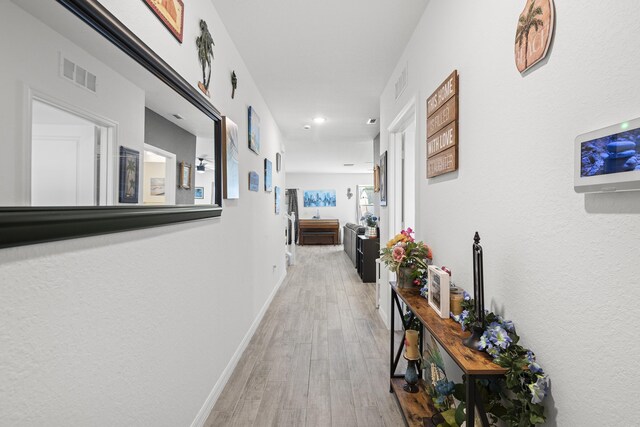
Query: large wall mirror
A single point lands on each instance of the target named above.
(99, 134)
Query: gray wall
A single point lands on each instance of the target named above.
(163, 134)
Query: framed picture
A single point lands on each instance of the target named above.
(254, 131)
(156, 186)
(185, 175)
(383, 179)
(171, 13)
(230, 163)
(376, 179)
(129, 175)
(278, 162)
(199, 193)
(276, 190)
(319, 198)
(439, 291)
(254, 181)
(267, 175)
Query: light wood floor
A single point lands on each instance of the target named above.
(319, 357)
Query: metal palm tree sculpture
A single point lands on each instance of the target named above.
(525, 23)
(205, 54)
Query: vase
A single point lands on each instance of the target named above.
(411, 377)
(371, 232)
(405, 279)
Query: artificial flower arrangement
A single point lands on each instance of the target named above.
(369, 219)
(517, 399)
(403, 252)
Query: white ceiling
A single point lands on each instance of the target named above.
(328, 58)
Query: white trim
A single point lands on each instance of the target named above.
(206, 409)
(405, 115)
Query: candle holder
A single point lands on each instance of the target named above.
(478, 294)
(412, 354)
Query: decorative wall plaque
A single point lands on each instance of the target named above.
(534, 33)
(442, 128)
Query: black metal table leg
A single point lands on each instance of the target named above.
(392, 367)
(471, 401)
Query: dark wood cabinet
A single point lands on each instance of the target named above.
(367, 250)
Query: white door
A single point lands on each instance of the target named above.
(68, 159)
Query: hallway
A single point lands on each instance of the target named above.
(319, 356)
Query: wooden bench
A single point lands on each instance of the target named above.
(319, 231)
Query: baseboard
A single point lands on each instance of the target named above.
(204, 412)
(384, 316)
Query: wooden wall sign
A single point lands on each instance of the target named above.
(442, 128)
(442, 163)
(535, 31)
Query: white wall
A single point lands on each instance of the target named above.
(345, 209)
(561, 265)
(137, 328)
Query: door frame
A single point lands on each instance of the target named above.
(170, 171)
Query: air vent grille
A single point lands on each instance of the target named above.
(78, 75)
(372, 121)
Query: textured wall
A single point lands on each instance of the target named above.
(136, 328)
(562, 265)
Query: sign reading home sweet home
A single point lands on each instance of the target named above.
(442, 128)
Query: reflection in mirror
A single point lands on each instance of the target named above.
(86, 125)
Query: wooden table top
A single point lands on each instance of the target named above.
(450, 335)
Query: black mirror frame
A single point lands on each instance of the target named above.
(28, 225)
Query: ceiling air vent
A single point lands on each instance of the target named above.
(78, 75)
(372, 121)
(348, 164)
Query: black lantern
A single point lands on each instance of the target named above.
(478, 294)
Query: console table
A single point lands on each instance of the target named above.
(319, 231)
(476, 365)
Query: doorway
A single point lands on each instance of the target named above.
(69, 155)
(159, 177)
(403, 166)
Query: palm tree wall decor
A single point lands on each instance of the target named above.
(534, 33)
(205, 54)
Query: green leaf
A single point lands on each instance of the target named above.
(460, 415)
(450, 417)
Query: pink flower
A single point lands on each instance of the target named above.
(398, 253)
(409, 230)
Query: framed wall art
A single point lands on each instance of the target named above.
(376, 179)
(383, 179)
(267, 175)
(276, 190)
(254, 131)
(254, 181)
(534, 33)
(199, 193)
(171, 13)
(230, 163)
(185, 176)
(129, 175)
(319, 198)
(439, 291)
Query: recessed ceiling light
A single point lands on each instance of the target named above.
(319, 120)
(372, 121)
(348, 164)
(307, 127)
(178, 116)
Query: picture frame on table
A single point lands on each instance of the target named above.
(439, 291)
(185, 175)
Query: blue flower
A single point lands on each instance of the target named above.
(485, 341)
(424, 291)
(493, 351)
(502, 339)
(539, 389)
(466, 295)
(444, 387)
